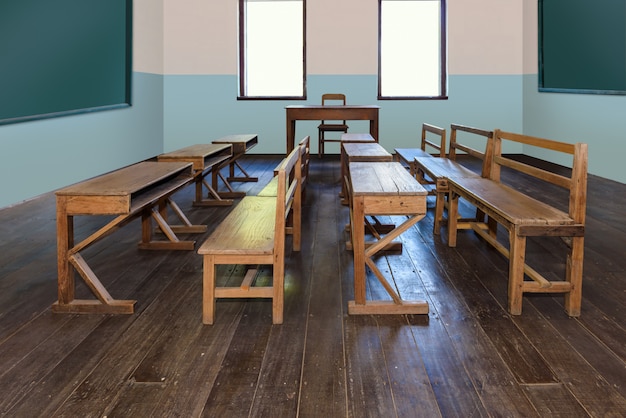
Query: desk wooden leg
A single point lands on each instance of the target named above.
(215, 198)
(363, 257)
(186, 225)
(231, 193)
(245, 177)
(173, 243)
(374, 128)
(70, 260)
(65, 238)
(291, 134)
(358, 243)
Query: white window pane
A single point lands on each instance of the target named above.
(274, 47)
(410, 48)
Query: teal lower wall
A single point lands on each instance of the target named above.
(170, 112)
(597, 120)
(39, 156)
(203, 108)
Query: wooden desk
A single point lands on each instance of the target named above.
(142, 189)
(383, 188)
(360, 152)
(357, 137)
(205, 158)
(241, 144)
(318, 112)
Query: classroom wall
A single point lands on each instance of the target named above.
(597, 120)
(185, 89)
(43, 155)
(200, 64)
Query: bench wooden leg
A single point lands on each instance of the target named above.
(278, 285)
(453, 209)
(439, 204)
(208, 290)
(517, 253)
(574, 275)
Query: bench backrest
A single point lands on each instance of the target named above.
(305, 145)
(484, 155)
(575, 182)
(434, 137)
(288, 195)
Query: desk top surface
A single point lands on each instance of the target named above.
(195, 151)
(331, 106)
(383, 178)
(365, 149)
(237, 138)
(354, 137)
(127, 180)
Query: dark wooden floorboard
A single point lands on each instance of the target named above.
(468, 357)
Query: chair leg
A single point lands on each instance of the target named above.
(208, 290)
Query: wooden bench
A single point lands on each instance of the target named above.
(253, 233)
(432, 137)
(294, 220)
(523, 216)
(271, 187)
(439, 170)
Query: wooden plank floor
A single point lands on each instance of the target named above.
(468, 357)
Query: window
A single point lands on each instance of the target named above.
(412, 49)
(272, 49)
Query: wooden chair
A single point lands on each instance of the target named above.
(325, 126)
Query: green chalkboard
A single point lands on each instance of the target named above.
(582, 46)
(60, 57)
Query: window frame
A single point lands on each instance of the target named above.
(242, 58)
(443, 58)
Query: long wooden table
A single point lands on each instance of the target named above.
(319, 112)
(381, 188)
(143, 189)
(206, 158)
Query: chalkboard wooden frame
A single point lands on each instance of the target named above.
(582, 46)
(64, 57)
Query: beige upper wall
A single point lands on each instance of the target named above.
(485, 36)
(148, 36)
(200, 36)
(531, 39)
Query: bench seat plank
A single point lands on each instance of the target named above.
(509, 204)
(409, 154)
(249, 227)
(441, 168)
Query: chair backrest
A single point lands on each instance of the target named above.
(334, 98)
(485, 156)
(428, 132)
(288, 196)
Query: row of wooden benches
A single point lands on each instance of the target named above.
(254, 233)
(497, 203)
